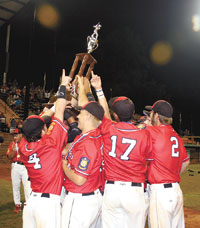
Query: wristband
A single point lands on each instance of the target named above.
(61, 92)
(100, 93)
(90, 97)
(98, 90)
(53, 108)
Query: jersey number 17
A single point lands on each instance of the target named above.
(125, 155)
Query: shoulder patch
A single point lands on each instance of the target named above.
(83, 163)
(50, 128)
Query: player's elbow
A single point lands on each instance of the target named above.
(80, 181)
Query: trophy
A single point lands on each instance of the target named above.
(87, 58)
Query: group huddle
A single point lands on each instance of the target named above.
(100, 168)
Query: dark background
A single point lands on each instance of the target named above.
(129, 30)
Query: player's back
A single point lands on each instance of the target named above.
(168, 153)
(125, 151)
(44, 165)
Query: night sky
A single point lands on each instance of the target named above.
(35, 49)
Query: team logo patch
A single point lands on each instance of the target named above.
(50, 128)
(83, 164)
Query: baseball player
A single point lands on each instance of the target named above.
(18, 171)
(125, 150)
(83, 200)
(169, 159)
(42, 155)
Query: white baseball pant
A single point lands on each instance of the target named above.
(18, 174)
(123, 205)
(81, 211)
(166, 206)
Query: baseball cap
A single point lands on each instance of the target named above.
(123, 107)
(94, 108)
(33, 125)
(162, 107)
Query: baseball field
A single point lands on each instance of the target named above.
(190, 183)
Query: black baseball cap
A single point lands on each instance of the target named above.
(162, 107)
(123, 107)
(94, 108)
(33, 125)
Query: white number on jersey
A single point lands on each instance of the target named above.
(174, 146)
(33, 159)
(125, 155)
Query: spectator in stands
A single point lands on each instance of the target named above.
(13, 124)
(1, 140)
(18, 103)
(10, 101)
(2, 121)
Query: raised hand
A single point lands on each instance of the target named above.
(95, 81)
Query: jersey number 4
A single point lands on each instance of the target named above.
(174, 147)
(35, 160)
(125, 155)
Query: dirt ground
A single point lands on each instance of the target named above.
(192, 217)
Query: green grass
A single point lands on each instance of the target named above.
(190, 186)
(8, 219)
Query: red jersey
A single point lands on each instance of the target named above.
(168, 154)
(125, 150)
(17, 157)
(43, 159)
(85, 159)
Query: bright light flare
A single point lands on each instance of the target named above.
(196, 23)
(161, 53)
(48, 16)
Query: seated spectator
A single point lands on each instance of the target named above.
(13, 124)
(18, 103)
(2, 121)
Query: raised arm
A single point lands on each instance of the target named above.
(96, 83)
(61, 101)
(82, 97)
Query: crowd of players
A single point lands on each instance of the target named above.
(99, 168)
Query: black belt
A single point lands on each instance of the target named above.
(83, 194)
(169, 185)
(46, 195)
(132, 183)
(20, 163)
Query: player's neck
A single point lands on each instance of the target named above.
(88, 128)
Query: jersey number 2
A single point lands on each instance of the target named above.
(33, 159)
(174, 146)
(125, 155)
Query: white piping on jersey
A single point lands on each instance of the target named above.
(29, 150)
(80, 172)
(96, 137)
(128, 129)
(148, 159)
(60, 125)
(79, 140)
(186, 159)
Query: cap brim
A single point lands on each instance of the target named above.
(148, 107)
